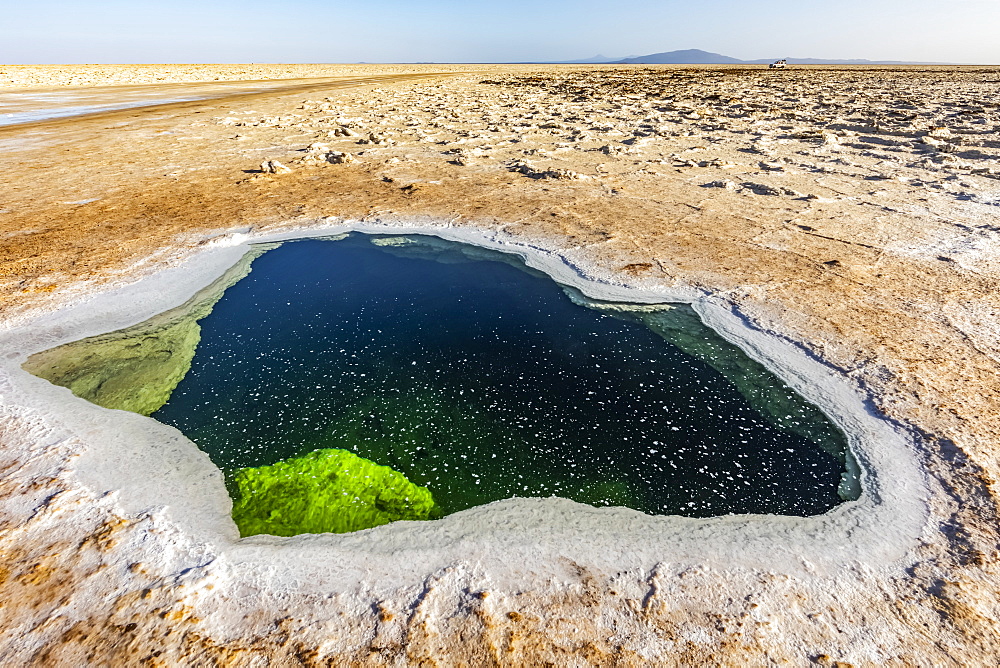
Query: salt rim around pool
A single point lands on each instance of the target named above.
(153, 468)
(344, 384)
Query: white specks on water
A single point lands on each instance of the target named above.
(477, 395)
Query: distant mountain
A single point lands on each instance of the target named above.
(685, 57)
(699, 57)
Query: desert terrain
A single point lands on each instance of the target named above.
(851, 213)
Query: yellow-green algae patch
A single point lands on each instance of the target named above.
(137, 369)
(325, 491)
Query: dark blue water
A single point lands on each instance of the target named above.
(483, 381)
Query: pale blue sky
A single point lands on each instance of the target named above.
(240, 31)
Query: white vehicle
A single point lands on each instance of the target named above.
(778, 64)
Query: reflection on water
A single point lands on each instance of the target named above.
(34, 115)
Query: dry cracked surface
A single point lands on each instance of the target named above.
(853, 211)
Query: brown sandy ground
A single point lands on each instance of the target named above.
(855, 211)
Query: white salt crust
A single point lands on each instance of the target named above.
(150, 467)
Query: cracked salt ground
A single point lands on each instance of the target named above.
(481, 381)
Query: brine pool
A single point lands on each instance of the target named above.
(350, 382)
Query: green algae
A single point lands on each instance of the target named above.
(430, 433)
(376, 456)
(137, 373)
(325, 491)
(682, 327)
(784, 408)
(137, 369)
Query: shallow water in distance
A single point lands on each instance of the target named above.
(482, 380)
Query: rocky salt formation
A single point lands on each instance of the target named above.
(274, 167)
(857, 219)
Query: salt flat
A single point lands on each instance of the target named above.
(851, 213)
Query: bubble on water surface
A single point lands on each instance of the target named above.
(479, 379)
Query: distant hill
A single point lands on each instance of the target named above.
(699, 57)
(685, 57)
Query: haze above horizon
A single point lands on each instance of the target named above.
(325, 31)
